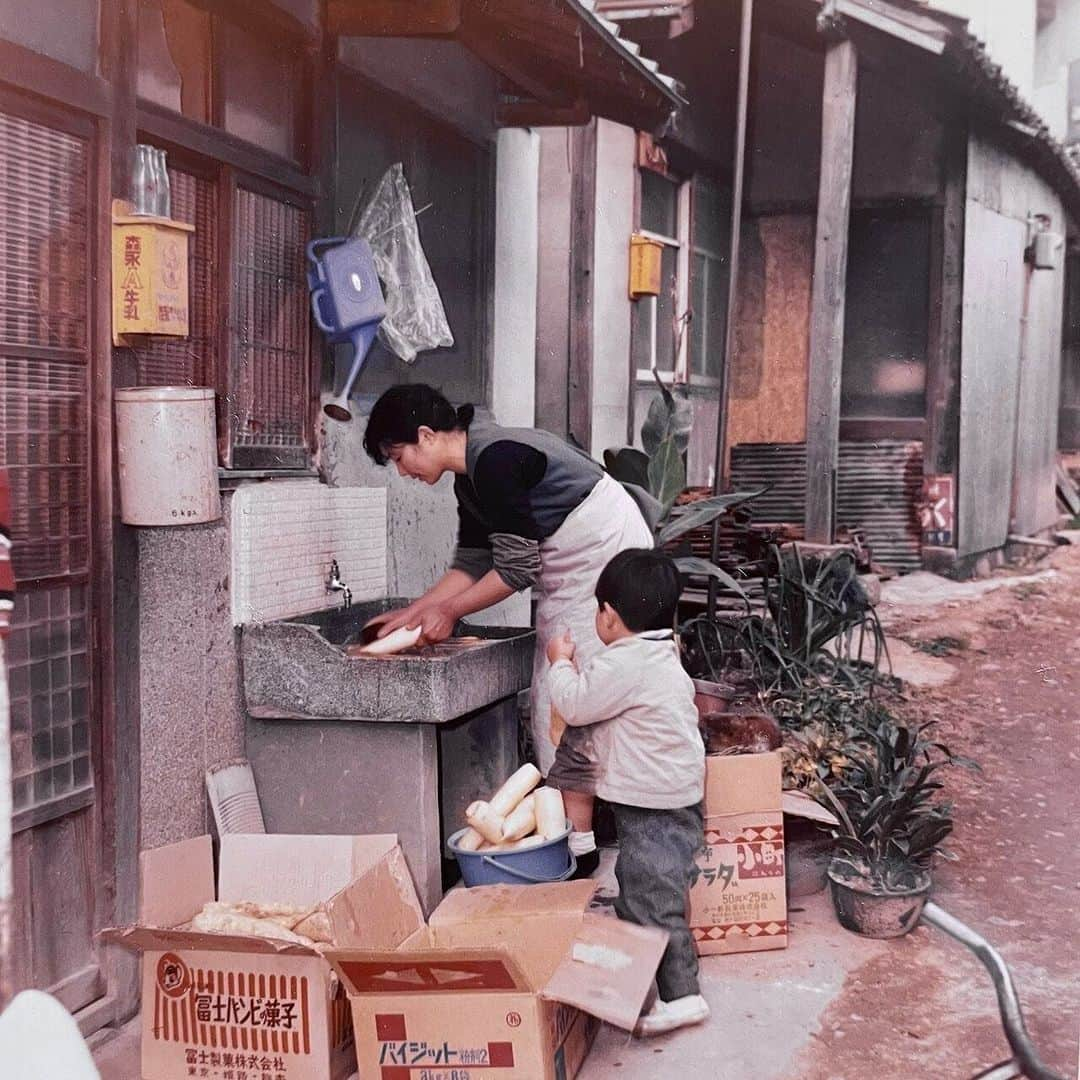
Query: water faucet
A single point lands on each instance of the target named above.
(335, 584)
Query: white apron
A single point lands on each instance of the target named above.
(607, 522)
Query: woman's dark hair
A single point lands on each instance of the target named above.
(402, 410)
(643, 587)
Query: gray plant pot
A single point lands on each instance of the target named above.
(871, 913)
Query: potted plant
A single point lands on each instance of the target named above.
(820, 731)
(892, 826)
(660, 469)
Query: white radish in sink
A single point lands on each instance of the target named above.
(404, 637)
(521, 821)
(515, 789)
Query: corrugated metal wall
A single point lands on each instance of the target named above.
(877, 490)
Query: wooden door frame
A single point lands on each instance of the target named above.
(22, 96)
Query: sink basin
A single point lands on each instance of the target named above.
(299, 669)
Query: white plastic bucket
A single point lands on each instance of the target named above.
(166, 444)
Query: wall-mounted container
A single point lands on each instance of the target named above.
(645, 256)
(149, 275)
(166, 442)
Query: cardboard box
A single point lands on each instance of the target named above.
(738, 903)
(503, 983)
(233, 1007)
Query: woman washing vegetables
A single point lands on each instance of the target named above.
(533, 512)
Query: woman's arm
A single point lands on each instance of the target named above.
(438, 619)
(449, 585)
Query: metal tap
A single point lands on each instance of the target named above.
(335, 584)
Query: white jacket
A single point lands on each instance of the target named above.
(647, 743)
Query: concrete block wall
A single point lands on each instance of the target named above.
(286, 534)
(191, 714)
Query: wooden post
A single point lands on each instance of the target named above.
(582, 247)
(827, 299)
(946, 301)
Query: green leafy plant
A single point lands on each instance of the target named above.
(821, 625)
(893, 823)
(661, 471)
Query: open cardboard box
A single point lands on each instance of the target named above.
(738, 903)
(226, 1006)
(503, 983)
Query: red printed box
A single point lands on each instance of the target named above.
(236, 1007)
(738, 903)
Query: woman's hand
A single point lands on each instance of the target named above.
(389, 621)
(437, 622)
(561, 648)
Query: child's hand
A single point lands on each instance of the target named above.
(561, 648)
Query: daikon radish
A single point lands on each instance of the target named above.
(550, 812)
(403, 638)
(521, 821)
(485, 821)
(514, 845)
(526, 842)
(514, 790)
(470, 840)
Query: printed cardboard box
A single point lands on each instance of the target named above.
(233, 1007)
(504, 983)
(738, 902)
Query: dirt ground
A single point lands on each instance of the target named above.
(925, 1009)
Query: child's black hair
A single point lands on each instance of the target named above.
(643, 587)
(402, 410)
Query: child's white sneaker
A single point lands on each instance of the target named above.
(667, 1016)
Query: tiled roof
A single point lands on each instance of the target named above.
(587, 10)
(988, 85)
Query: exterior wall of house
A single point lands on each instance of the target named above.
(189, 682)
(1010, 356)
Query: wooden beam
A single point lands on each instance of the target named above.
(537, 114)
(582, 244)
(489, 42)
(946, 310)
(116, 556)
(53, 80)
(393, 18)
(829, 286)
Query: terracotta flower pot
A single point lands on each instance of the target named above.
(863, 910)
(808, 851)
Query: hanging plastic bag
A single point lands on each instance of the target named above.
(415, 317)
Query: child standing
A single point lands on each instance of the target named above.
(649, 761)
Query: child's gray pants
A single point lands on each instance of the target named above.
(655, 869)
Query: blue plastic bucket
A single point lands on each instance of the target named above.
(539, 865)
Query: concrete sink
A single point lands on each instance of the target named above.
(299, 669)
